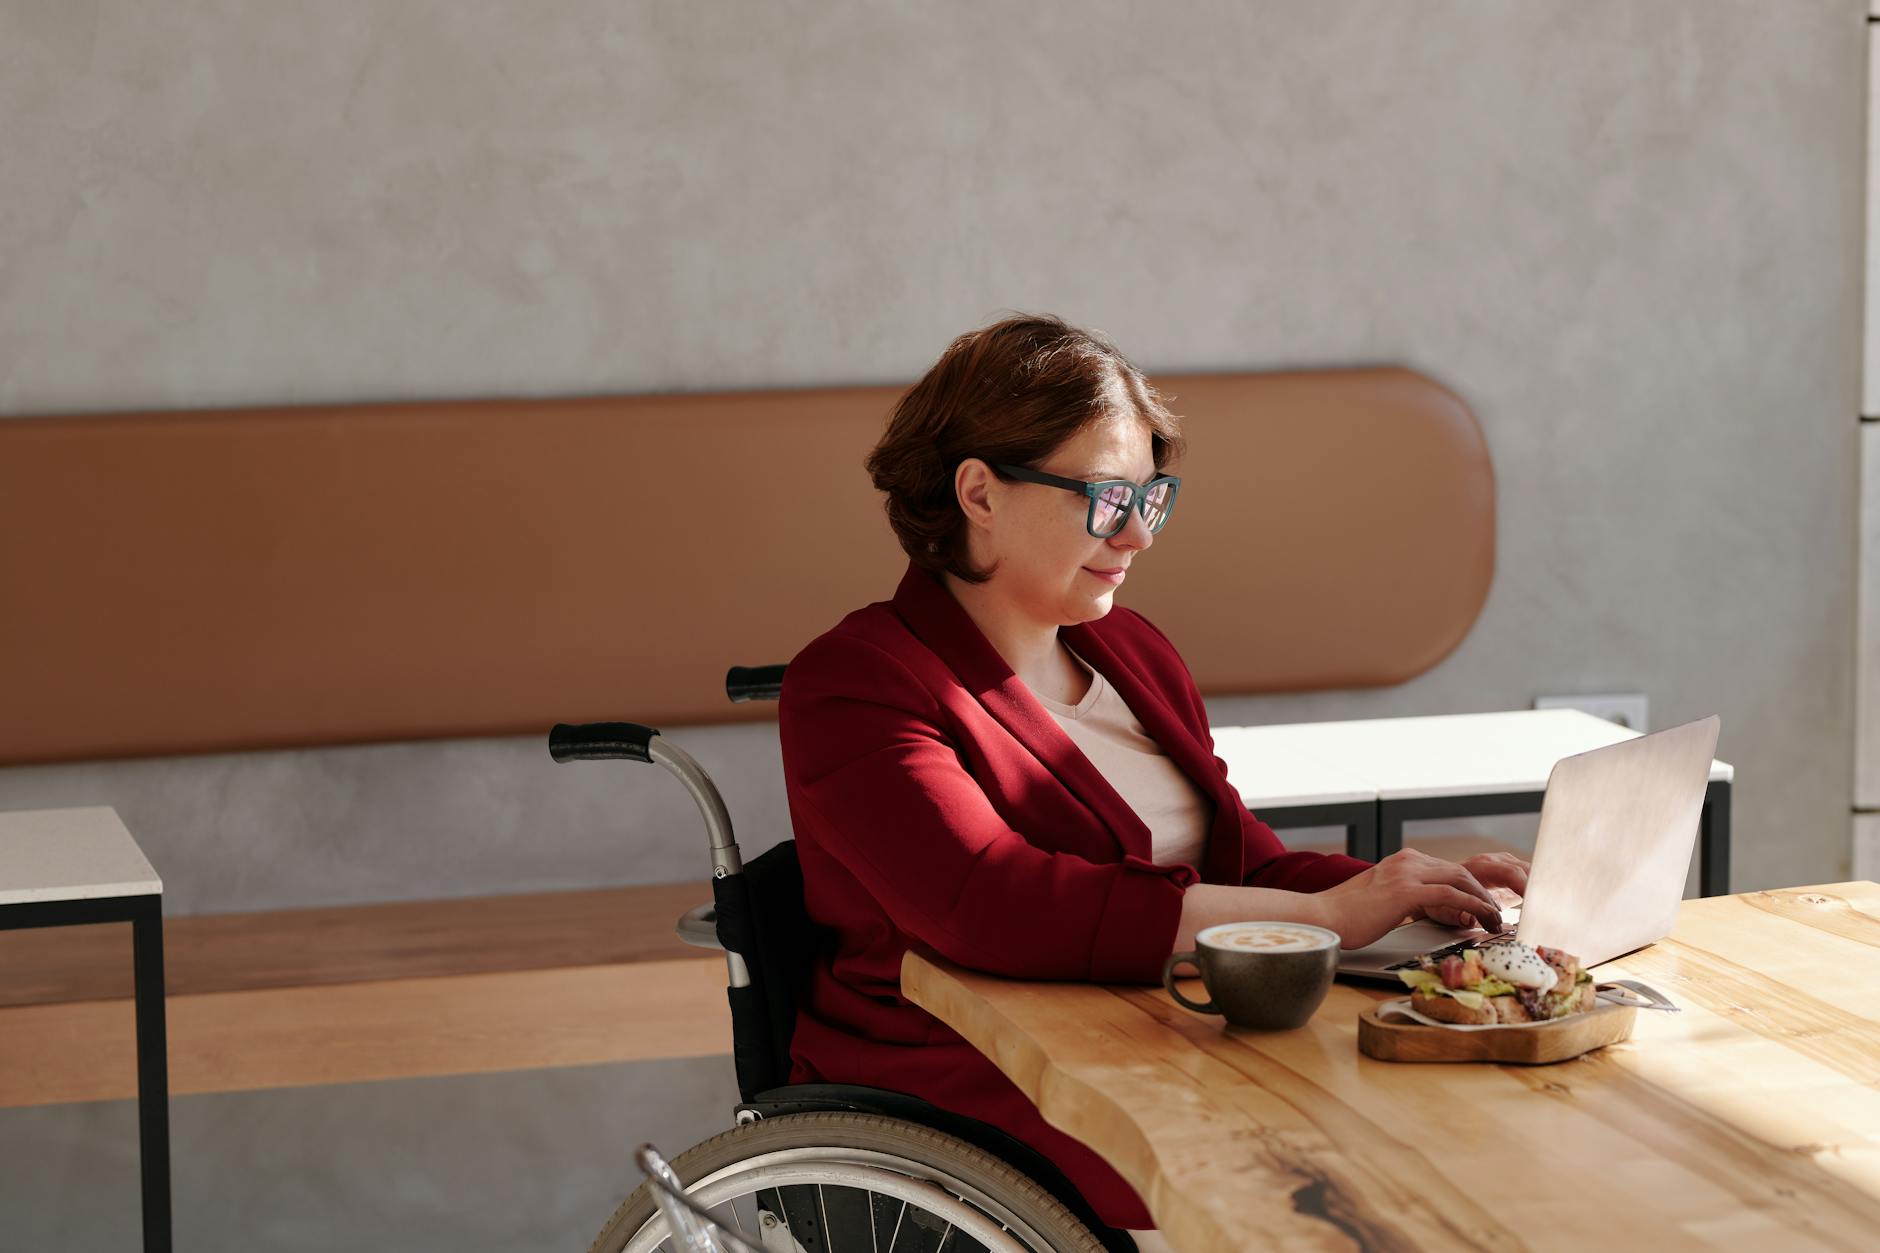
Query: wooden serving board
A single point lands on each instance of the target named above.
(1398, 1039)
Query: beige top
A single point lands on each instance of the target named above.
(1175, 811)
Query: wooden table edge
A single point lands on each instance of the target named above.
(928, 981)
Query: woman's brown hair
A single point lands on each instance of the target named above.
(1011, 392)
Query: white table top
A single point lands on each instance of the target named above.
(1269, 773)
(70, 855)
(1482, 754)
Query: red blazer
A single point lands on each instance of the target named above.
(936, 802)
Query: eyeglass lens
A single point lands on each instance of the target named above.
(1110, 510)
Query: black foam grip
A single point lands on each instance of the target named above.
(601, 741)
(744, 683)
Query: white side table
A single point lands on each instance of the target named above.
(61, 867)
(1452, 766)
(1288, 788)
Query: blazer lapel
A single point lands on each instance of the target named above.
(930, 611)
(1222, 859)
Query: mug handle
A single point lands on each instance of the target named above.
(1168, 981)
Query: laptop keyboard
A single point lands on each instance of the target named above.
(1451, 950)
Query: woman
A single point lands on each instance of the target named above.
(1001, 765)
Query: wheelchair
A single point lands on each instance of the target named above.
(823, 1167)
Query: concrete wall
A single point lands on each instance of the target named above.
(1629, 234)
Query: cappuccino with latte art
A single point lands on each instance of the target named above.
(1269, 976)
(1266, 937)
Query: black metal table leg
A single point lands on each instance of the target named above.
(153, 1072)
(1713, 841)
(1358, 818)
(1362, 834)
(145, 914)
(1390, 820)
(1393, 814)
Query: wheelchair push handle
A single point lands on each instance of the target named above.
(747, 683)
(601, 741)
(615, 741)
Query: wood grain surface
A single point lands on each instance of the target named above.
(353, 1032)
(346, 994)
(1751, 1119)
(291, 948)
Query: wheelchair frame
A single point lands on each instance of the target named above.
(757, 919)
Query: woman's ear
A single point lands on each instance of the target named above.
(977, 489)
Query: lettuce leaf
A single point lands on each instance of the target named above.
(1474, 996)
(1428, 983)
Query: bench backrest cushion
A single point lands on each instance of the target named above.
(198, 581)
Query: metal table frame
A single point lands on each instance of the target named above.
(1358, 818)
(145, 914)
(1374, 829)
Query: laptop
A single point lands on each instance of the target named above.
(1617, 828)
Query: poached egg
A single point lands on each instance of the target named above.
(1514, 962)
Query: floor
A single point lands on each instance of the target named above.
(509, 1162)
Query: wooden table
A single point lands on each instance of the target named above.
(1749, 1120)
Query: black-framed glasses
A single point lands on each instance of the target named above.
(1111, 499)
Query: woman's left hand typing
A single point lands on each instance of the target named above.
(1503, 874)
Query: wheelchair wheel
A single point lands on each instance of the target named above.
(855, 1183)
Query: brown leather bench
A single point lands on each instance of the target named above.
(209, 581)
(197, 582)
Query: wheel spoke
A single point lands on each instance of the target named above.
(737, 1216)
(813, 1189)
(717, 1211)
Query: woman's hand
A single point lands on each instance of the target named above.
(1503, 874)
(1409, 884)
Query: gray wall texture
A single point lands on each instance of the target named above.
(1629, 234)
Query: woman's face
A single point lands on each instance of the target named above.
(1050, 568)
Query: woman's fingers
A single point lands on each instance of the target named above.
(1448, 892)
(1424, 880)
(1494, 870)
(1449, 917)
(1456, 903)
(1499, 870)
(1464, 918)
(1483, 905)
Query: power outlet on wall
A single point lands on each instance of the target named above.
(1628, 709)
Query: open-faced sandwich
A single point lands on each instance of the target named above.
(1507, 981)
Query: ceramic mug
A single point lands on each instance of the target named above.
(1268, 975)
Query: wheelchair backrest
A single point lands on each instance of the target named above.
(762, 918)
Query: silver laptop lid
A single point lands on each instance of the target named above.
(1617, 828)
